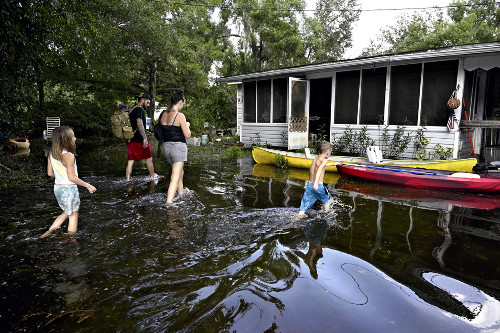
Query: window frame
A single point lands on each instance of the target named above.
(271, 106)
(388, 87)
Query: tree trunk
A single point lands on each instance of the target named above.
(41, 92)
(152, 93)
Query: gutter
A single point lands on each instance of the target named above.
(433, 54)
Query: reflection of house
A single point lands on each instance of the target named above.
(282, 107)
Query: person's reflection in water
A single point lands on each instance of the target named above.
(315, 232)
(71, 285)
(131, 192)
(443, 223)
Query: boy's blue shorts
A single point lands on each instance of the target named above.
(311, 196)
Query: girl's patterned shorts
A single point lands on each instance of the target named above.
(68, 198)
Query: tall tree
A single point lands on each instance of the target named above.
(329, 32)
(269, 33)
(42, 41)
(472, 21)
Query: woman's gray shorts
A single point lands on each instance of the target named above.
(175, 151)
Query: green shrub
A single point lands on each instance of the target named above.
(232, 153)
(280, 161)
(442, 153)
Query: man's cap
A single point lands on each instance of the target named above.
(123, 106)
(144, 95)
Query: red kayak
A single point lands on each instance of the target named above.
(422, 178)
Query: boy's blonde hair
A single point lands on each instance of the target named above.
(324, 146)
(62, 139)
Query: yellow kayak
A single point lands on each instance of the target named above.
(270, 171)
(299, 160)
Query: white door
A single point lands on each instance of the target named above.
(298, 113)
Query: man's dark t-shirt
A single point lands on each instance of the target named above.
(137, 112)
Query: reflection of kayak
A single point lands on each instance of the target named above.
(391, 192)
(299, 160)
(270, 171)
(423, 178)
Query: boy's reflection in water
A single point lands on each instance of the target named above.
(315, 232)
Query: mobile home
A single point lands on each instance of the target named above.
(283, 107)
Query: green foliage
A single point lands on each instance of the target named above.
(421, 143)
(322, 133)
(80, 59)
(399, 142)
(363, 141)
(352, 142)
(471, 21)
(327, 33)
(217, 107)
(256, 140)
(385, 139)
(280, 161)
(442, 153)
(268, 38)
(345, 144)
(232, 153)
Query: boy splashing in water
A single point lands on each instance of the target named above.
(315, 189)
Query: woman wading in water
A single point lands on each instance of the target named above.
(175, 131)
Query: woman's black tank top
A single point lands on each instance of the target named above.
(172, 133)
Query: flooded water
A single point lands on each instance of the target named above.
(232, 256)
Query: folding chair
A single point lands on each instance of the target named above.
(52, 122)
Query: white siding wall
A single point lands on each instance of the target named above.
(268, 133)
(441, 136)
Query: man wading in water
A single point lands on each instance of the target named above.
(138, 147)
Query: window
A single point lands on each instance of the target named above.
(279, 100)
(299, 96)
(249, 102)
(264, 101)
(372, 95)
(440, 79)
(405, 94)
(346, 98)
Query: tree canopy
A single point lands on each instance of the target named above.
(466, 22)
(80, 59)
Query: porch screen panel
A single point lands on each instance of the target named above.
(279, 100)
(299, 94)
(320, 104)
(440, 80)
(405, 93)
(372, 95)
(264, 101)
(346, 97)
(249, 102)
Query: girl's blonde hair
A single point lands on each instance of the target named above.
(62, 139)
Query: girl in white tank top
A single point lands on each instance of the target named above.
(62, 166)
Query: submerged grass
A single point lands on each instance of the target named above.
(213, 153)
(30, 169)
(24, 169)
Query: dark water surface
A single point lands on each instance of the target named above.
(231, 255)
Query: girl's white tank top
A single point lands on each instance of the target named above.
(61, 172)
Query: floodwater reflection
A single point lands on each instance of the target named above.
(232, 255)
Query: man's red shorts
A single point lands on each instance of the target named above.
(136, 152)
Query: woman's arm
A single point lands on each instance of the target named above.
(184, 126)
(69, 160)
(50, 171)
